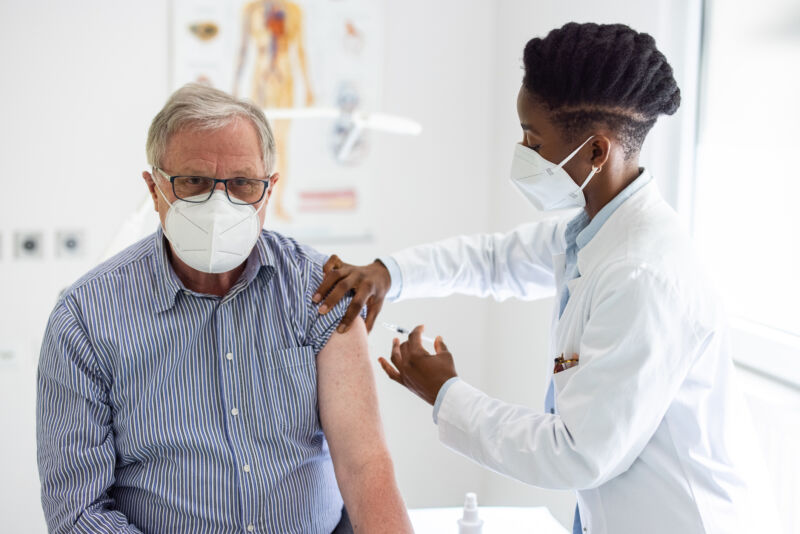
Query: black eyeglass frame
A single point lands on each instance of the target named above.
(216, 181)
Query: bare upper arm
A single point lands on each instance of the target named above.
(348, 403)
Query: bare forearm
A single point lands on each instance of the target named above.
(372, 499)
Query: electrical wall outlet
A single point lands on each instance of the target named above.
(7, 356)
(11, 352)
(28, 245)
(70, 244)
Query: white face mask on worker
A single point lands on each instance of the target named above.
(545, 184)
(214, 236)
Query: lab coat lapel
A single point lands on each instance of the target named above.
(568, 329)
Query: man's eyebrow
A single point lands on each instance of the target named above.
(238, 173)
(250, 173)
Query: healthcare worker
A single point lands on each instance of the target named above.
(642, 415)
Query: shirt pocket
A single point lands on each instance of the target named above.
(292, 391)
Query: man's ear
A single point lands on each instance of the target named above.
(273, 181)
(601, 151)
(151, 186)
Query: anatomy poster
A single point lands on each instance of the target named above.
(314, 66)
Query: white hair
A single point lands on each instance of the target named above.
(204, 107)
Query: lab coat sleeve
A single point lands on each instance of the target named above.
(75, 439)
(636, 349)
(515, 264)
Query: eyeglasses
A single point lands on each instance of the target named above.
(198, 189)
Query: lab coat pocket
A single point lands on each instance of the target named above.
(560, 379)
(292, 387)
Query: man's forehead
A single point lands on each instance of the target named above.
(233, 147)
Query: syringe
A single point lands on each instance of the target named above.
(406, 331)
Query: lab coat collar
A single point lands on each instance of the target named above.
(590, 228)
(615, 228)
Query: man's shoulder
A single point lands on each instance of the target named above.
(291, 256)
(299, 268)
(119, 267)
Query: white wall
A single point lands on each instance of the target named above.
(82, 81)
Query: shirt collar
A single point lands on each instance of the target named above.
(167, 285)
(581, 230)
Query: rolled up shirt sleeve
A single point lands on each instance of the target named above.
(320, 327)
(76, 453)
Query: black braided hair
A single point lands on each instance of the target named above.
(589, 74)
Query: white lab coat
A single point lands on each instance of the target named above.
(650, 427)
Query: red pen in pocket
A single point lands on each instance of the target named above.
(562, 365)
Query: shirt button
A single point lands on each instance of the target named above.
(246, 468)
(235, 411)
(229, 355)
(250, 528)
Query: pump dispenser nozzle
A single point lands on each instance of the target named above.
(470, 523)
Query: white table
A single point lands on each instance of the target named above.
(496, 520)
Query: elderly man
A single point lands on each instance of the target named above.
(187, 384)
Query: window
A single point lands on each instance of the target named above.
(747, 190)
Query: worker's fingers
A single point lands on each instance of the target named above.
(342, 287)
(353, 311)
(374, 305)
(405, 352)
(390, 371)
(333, 263)
(415, 337)
(575, 357)
(365, 289)
(439, 345)
(329, 280)
(397, 354)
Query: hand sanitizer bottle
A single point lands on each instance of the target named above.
(470, 523)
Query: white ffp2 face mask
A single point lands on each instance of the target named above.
(214, 236)
(545, 184)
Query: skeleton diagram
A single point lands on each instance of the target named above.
(275, 29)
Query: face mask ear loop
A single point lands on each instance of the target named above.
(155, 182)
(595, 170)
(565, 160)
(263, 202)
(266, 195)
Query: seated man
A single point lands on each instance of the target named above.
(187, 384)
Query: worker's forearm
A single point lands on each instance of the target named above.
(515, 264)
(372, 499)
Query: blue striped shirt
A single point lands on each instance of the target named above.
(167, 411)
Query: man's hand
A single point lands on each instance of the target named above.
(415, 368)
(370, 282)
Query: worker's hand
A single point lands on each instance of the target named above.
(370, 283)
(418, 370)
